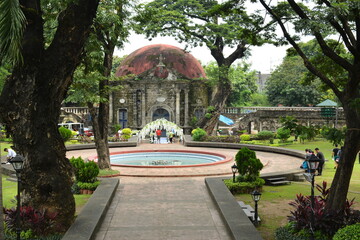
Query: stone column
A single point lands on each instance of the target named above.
(111, 109)
(260, 126)
(177, 112)
(143, 104)
(186, 112)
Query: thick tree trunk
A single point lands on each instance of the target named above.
(32, 112)
(341, 182)
(30, 105)
(218, 100)
(1, 205)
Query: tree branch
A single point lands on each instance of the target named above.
(325, 48)
(345, 31)
(73, 29)
(238, 53)
(307, 62)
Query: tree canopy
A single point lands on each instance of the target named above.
(216, 25)
(324, 20)
(243, 81)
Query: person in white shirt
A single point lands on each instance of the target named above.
(11, 154)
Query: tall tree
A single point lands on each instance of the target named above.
(110, 30)
(32, 95)
(319, 19)
(243, 82)
(285, 86)
(210, 23)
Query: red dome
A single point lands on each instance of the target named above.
(154, 56)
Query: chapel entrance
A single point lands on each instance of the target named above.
(161, 113)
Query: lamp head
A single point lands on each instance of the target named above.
(256, 195)
(234, 168)
(17, 163)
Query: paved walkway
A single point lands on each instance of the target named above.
(171, 208)
(162, 209)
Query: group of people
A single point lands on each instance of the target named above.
(11, 154)
(158, 133)
(316, 158)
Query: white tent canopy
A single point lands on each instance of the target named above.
(162, 124)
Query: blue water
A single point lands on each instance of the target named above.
(163, 159)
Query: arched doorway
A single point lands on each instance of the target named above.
(161, 113)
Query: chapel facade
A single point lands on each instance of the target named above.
(159, 81)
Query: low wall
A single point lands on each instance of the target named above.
(89, 220)
(295, 153)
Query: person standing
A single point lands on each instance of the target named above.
(334, 155)
(321, 157)
(171, 135)
(158, 135)
(11, 154)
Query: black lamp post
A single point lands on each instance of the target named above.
(18, 163)
(310, 177)
(256, 197)
(234, 170)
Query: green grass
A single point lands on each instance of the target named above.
(2, 146)
(9, 191)
(274, 204)
(104, 172)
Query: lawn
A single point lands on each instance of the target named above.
(2, 146)
(10, 190)
(274, 203)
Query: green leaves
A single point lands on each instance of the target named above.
(12, 24)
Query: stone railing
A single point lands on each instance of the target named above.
(76, 110)
(244, 110)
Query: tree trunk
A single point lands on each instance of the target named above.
(101, 120)
(100, 127)
(31, 100)
(340, 184)
(218, 100)
(1, 205)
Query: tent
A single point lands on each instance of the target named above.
(327, 103)
(226, 120)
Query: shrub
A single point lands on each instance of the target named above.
(248, 165)
(326, 221)
(65, 133)
(40, 222)
(224, 138)
(126, 133)
(198, 134)
(348, 232)
(88, 173)
(245, 137)
(77, 163)
(265, 135)
(89, 186)
(283, 134)
(244, 187)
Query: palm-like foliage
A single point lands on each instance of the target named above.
(12, 23)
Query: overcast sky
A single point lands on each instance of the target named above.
(263, 59)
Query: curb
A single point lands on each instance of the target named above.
(238, 224)
(89, 219)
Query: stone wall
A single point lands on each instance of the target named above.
(261, 119)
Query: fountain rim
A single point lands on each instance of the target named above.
(225, 158)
